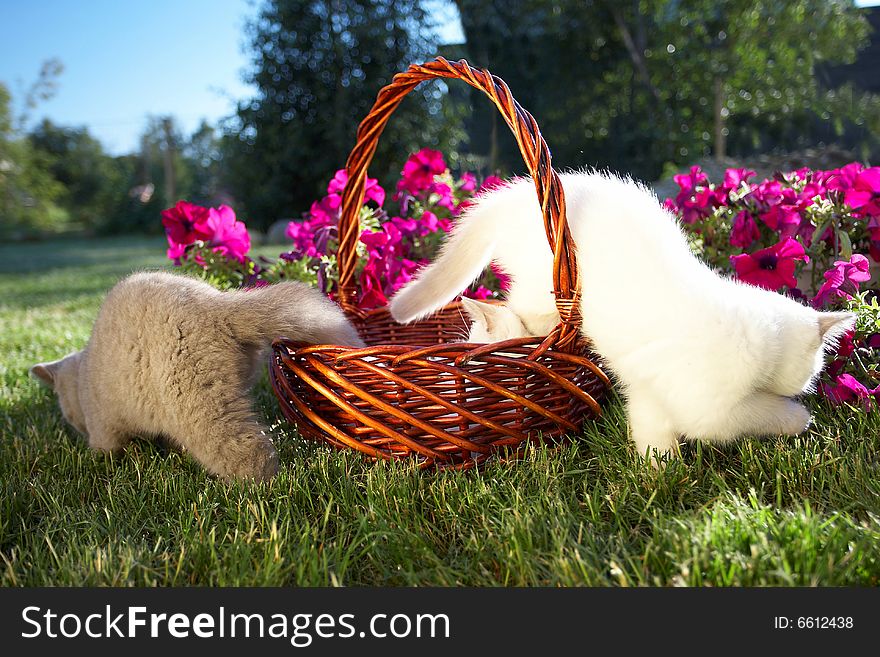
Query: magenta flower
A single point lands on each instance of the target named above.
(186, 223)
(846, 346)
(468, 182)
(374, 239)
(372, 295)
(845, 389)
(734, 178)
(842, 280)
(843, 178)
(864, 195)
(698, 206)
(229, 237)
(784, 219)
(688, 182)
(372, 190)
(406, 225)
(744, 231)
(326, 211)
(444, 194)
(501, 276)
(491, 182)
(695, 199)
(771, 268)
(175, 251)
(874, 227)
(770, 193)
(481, 293)
(419, 170)
(302, 233)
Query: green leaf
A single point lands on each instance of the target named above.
(846, 248)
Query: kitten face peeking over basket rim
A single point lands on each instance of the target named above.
(695, 354)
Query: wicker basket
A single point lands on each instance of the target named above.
(414, 393)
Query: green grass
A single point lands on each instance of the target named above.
(764, 512)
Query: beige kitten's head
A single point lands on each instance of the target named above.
(62, 376)
(492, 322)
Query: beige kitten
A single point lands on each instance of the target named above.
(173, 356)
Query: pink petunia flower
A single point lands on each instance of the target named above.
(229, 237)
(406, 225)
(688, 182)
(842, 280)
(444, 193)
(501, 276)
(745, 230)
(374, 239)
(468, 182)
(491, 182)
(734, 178)
(481, 293)
(846, 389)
(419, 170)
(864, 195)
(843, 178)
(771, 268)
(372, 189)
(326, 211)
(186, 223)
(372, 295)
(175, 251)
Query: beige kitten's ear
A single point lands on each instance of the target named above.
(478, 311)
(834, 325)
(45, 372)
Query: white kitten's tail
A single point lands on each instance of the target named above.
(467, 251)
(292, 310)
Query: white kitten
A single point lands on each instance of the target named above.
(171, 355)
(696, 354)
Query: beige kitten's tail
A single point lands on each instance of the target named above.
(468, 250)
(292, 310)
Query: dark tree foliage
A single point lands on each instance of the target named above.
(93, 181)
(638, 84)
(318, 65)
(553, 54)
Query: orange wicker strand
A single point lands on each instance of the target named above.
(414, 392)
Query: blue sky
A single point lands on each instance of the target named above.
(124, 61)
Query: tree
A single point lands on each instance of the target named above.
(29, 194)
(93, 181)
(318, 65)
(638, 84)
(553, 54)
(743, 59)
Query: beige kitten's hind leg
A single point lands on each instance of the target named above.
(651, 430)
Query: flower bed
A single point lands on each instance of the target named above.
(803, 233)
(813, 235)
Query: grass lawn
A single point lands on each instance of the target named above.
(764, 512)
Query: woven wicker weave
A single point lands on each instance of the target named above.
(414, 392)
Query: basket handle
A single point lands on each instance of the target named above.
(535, 153)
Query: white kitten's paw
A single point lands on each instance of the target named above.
(656, 451)
(797, 419)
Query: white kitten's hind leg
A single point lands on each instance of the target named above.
(651, 428)
(765, 414)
